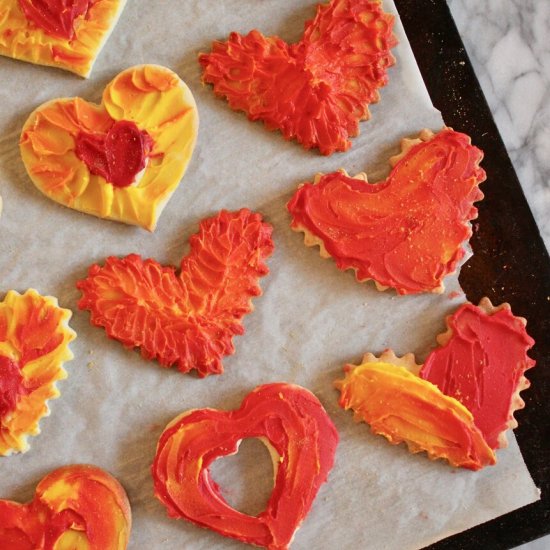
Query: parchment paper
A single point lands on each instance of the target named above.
(310, 321)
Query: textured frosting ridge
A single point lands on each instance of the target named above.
(302, 440)
(407, 231)
(149, 97)
(77, 506)
(316, 90)
(34, 344)
(190, 318)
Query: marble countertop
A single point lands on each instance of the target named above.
(508, 45)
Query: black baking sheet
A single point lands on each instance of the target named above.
(510, 262)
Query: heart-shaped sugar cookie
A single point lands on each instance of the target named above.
(68, 34)
(120, 160)
(302, 440)
(74, 507)
(34, 344)
(190, 318)
(478, 369)
(316, 90)
(405, 232)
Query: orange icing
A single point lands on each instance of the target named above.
(34, 344)
(190, 318)
(152, 98)
(76, 506)
(403, 407)
(316, 90)
(405, 232)
(301, 437)
(482, 366)
(41, 32)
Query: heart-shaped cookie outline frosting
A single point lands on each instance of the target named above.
(302, 441)
(35, 337)
(22, 39)
(75, 506)
(405, 232)
(152, 97)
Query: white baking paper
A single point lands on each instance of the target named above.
(310, 321)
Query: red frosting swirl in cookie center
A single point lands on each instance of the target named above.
(119, 155)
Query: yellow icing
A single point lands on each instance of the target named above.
(26, 322)
(151, 96)
(23, 40)
(405, 408)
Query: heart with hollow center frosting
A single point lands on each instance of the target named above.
(120, 160)
(405, 232)
(68, 34)
(316, 90)
(78, 506)
(187, 319)
(34, 344)
(460, 403)
(302, 440)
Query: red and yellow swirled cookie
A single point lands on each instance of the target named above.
(186, 319)
(460, 403)
(78, 506)
(316, 90)
(68, 34)
(34, 344)
(120, 160)
(405, 232)
(302, 441)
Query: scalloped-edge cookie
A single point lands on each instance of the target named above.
(460, 402)
(34, 344)
(405, 232)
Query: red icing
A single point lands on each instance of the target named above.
(316, 90)
(117, 156)
(404, 232)
(295, 424)
(190, 318)
(11, 385)
(55, 17)
(481, 365)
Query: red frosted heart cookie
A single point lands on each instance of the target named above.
(120, 160)
(75, 507)
(68, 34)
(316, 90)
(34, 344)
(477, 374)
(405, 232)
(302, 441)
(187, 319)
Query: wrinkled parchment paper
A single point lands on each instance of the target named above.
(310, 321)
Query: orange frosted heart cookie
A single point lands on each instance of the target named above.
(188, 318)
(34, 344)
(405, 232)
(74, 507)
(459, 404)
(120, 160)
(302, 441)
(68, 34)
(316, 90)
